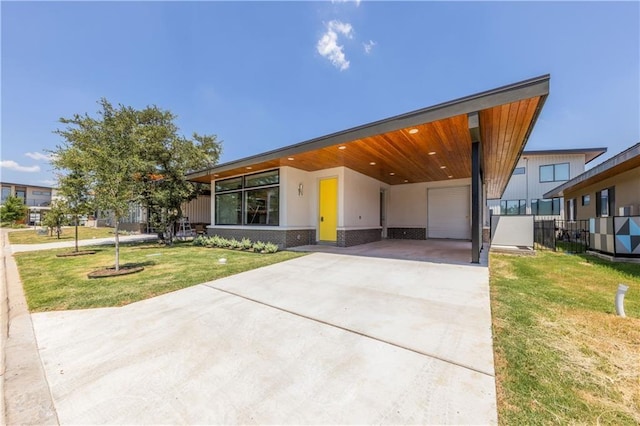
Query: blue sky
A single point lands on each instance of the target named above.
(261, 75)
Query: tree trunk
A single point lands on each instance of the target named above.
(76, 233)
(117, 246)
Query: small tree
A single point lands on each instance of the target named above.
(13, 210)
(55, 218)
(76, 194)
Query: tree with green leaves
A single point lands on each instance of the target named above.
(13, 210)
(118, 155)
(76, 195)
(55, 217)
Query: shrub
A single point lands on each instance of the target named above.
(270, 247)
(258, 246)
(200, 241)
(246, 243)
(234, 244)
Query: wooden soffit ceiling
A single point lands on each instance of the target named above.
(424, 149)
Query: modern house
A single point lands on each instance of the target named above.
(608, 196)
(538, 172)
(420, 175)
(37, 198)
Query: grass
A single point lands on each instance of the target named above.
(562, 355)
(53, 283)
(68, 234)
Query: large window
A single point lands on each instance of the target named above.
(586, 200)
(554, 172)
(544, 206)
(513, 207)
(519, 171)
(249, 200)
(6, 192)
(605, 202)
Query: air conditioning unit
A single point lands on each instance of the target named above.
(626, 211)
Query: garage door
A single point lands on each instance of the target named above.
(448, 213)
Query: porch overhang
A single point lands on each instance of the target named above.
(430, 144)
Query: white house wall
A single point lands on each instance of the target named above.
(361, 200)
(528, 186)
(296, 191)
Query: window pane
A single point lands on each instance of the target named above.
(586, 199)
(518, 171)
(523, 207)
(503, 206)
(562, 171)
(262, 206)
(545, 207)
(5, 193)
(534, 206)
(228, 184)
(261, 179)
(546, 173)
(556, 206)
(604, 202)
(229, 209)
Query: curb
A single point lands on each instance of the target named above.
(27, 397)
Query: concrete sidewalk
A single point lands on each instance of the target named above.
(17, 248)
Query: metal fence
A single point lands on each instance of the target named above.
(561, 235)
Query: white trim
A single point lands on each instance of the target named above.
(258, 227)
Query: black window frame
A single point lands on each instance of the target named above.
(554, 178)
(243, 188)
(586, 200)
(504, 207)
(610, 204)
(555, 205)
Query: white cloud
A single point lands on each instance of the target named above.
(38, 156)
(368, 46)
(357, 2)
(328, 44)
(12, 165)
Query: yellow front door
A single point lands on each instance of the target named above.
(328, 209)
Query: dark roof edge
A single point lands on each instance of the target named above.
(612, 162)
(597, 152)
(28, 185)
(537, 86)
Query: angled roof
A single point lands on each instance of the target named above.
(626, 160)
(429, 144)
(590, 153)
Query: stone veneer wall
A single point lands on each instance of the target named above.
(354, 237)
(282, 237)
(407, 233)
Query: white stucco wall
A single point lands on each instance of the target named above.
(361, 200)
(295, 208)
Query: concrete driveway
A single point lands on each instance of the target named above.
(322, 339)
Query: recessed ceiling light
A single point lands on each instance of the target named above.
(432, 152)
(216, 175)
(450, 176)
(373, 163)
(443, 167)
(413, 131)
(405, 181)
(342, 147)
(290, 158)
(249, 168)
(392, 174)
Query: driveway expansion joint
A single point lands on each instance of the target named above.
(349, 330)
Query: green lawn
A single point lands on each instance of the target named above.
(53, 283)
(562, 355)
(68, 234)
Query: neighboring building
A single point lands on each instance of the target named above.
(424, 174)
(609, 196)
(538, 172)
(37, 198)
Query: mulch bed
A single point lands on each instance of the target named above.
(111, 272)
(76, 253)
